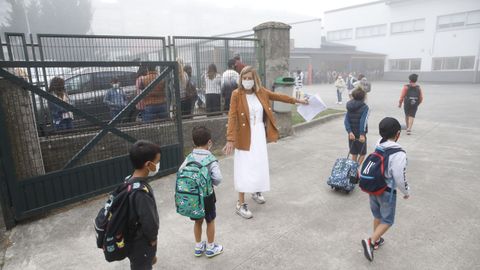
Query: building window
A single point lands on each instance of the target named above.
(453, 63)
(415, 64)
(405, 64)
(467, 62)
(371, 31)
(471, 18)
(340, 34)
(408, 26)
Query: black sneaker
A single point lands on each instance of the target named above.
(367, 249)
(379, 242)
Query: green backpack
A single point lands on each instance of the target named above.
(192, 186)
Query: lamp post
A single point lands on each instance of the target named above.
(26, 17)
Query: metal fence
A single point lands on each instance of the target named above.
(88, 88)
(86, 99)
(200, 53)
(73, 164)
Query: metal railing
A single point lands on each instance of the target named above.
(88, 86)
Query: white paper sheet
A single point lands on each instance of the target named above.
(314, 107)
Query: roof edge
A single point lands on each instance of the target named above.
(355, 6)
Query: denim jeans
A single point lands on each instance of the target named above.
(339, 95)
(64, 124)
(154, 112)
(383, 207)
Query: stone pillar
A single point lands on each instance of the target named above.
(275, 36)
(21, 128)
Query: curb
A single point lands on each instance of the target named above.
(313, 123)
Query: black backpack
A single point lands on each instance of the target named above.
(111, 223)
(372, 174)
(413, 95)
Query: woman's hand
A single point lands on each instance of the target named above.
(228, 149)
(302, 101)
(362, 138)
(351, 136)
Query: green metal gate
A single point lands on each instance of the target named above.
(91, 156)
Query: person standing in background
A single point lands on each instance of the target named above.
(229, 82)
(213, 82)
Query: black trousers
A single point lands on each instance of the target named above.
(213, 103)
(141, 254)
(186, 106)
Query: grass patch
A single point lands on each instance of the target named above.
(297, 119)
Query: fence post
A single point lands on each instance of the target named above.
(22, 130)
(276, 38)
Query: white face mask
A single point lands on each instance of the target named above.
(115, 85)
(248, 84)
(150, 173)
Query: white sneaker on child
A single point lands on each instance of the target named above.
(213, 250)
(200, 248)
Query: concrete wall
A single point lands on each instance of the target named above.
(16, 104)
(57, 150)
(276, 38)
(464, 41)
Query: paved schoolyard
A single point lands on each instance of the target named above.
(304, 224)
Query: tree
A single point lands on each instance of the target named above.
(49, 16)
(16, 20)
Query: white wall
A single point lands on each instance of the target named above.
(426, 44)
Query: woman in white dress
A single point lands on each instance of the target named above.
(251, 125)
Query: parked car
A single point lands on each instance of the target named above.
(87, 90)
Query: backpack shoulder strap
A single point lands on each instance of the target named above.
(139, 186)
(392, 151)
(208, 160)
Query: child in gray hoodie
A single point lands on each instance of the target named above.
(202, 138)
(383, 205)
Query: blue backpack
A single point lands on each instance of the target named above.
(372, 174)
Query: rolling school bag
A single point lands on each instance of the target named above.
(344, 174)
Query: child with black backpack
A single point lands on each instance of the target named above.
(382, 173)
(143, 221)
(201, 157)
(411, 98)
(127, 226)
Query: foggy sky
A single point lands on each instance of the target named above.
(206, 17)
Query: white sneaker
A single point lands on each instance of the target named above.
(214, 251)
(242, 210)
(258, 197)
(340, 103)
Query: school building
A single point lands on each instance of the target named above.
(438, 39)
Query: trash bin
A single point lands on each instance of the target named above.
(283, 85)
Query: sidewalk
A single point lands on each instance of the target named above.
(304, 224)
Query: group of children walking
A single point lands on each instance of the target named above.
(145, 157)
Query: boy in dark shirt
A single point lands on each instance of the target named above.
(143, 219)
(356, 124)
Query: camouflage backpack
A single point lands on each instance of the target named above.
(192, 186)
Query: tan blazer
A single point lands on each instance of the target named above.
(238, 129)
